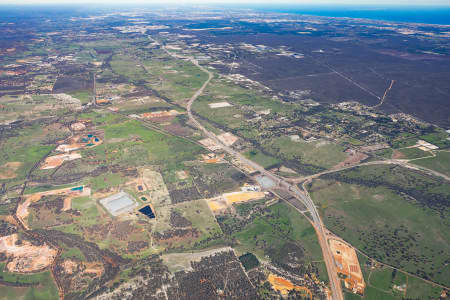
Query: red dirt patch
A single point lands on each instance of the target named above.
(397, 155)
(177, 129)
(352, 159)
(8, 170)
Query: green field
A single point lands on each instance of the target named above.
(381, 279)
(320, 153)
(176, 79)
(43, 286)
(27, 148)
(385, 223)
(129, 68)
(104, 181)
(412, 153)
(84, 96)
(380, 282)
(155, 147)
(262, 159)
(198, 213)
(440, 163)
(418, 289)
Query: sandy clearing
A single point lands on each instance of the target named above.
(210, 144)
(182, 261)
(52, 162)
(219, 104)
(220, 204)
(284, 285)
(26, 257)
(67, 204)
(237, 197)
(159, 114)
(227, 138)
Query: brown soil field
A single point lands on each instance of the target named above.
(397, 155)
(25, 257)
(8, 170)
(177, 129)
(102, 101)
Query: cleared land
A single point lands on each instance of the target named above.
(24, 256)
(348, 265)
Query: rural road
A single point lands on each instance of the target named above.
(336, 290)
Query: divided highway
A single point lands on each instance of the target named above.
(336, 290)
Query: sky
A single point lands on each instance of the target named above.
(255, 2)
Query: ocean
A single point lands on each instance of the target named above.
(415, 14)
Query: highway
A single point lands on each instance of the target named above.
(335, 285)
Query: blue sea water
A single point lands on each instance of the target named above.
(414, 14)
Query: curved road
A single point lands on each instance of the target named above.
(336, 290)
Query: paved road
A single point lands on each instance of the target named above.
(304, 198)
(403, 163)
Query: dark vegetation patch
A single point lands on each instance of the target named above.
(7, 228)
(177, 220)
(249, 261)
(221, 271)
(136, 246)
(183, 195)
(72, 83)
